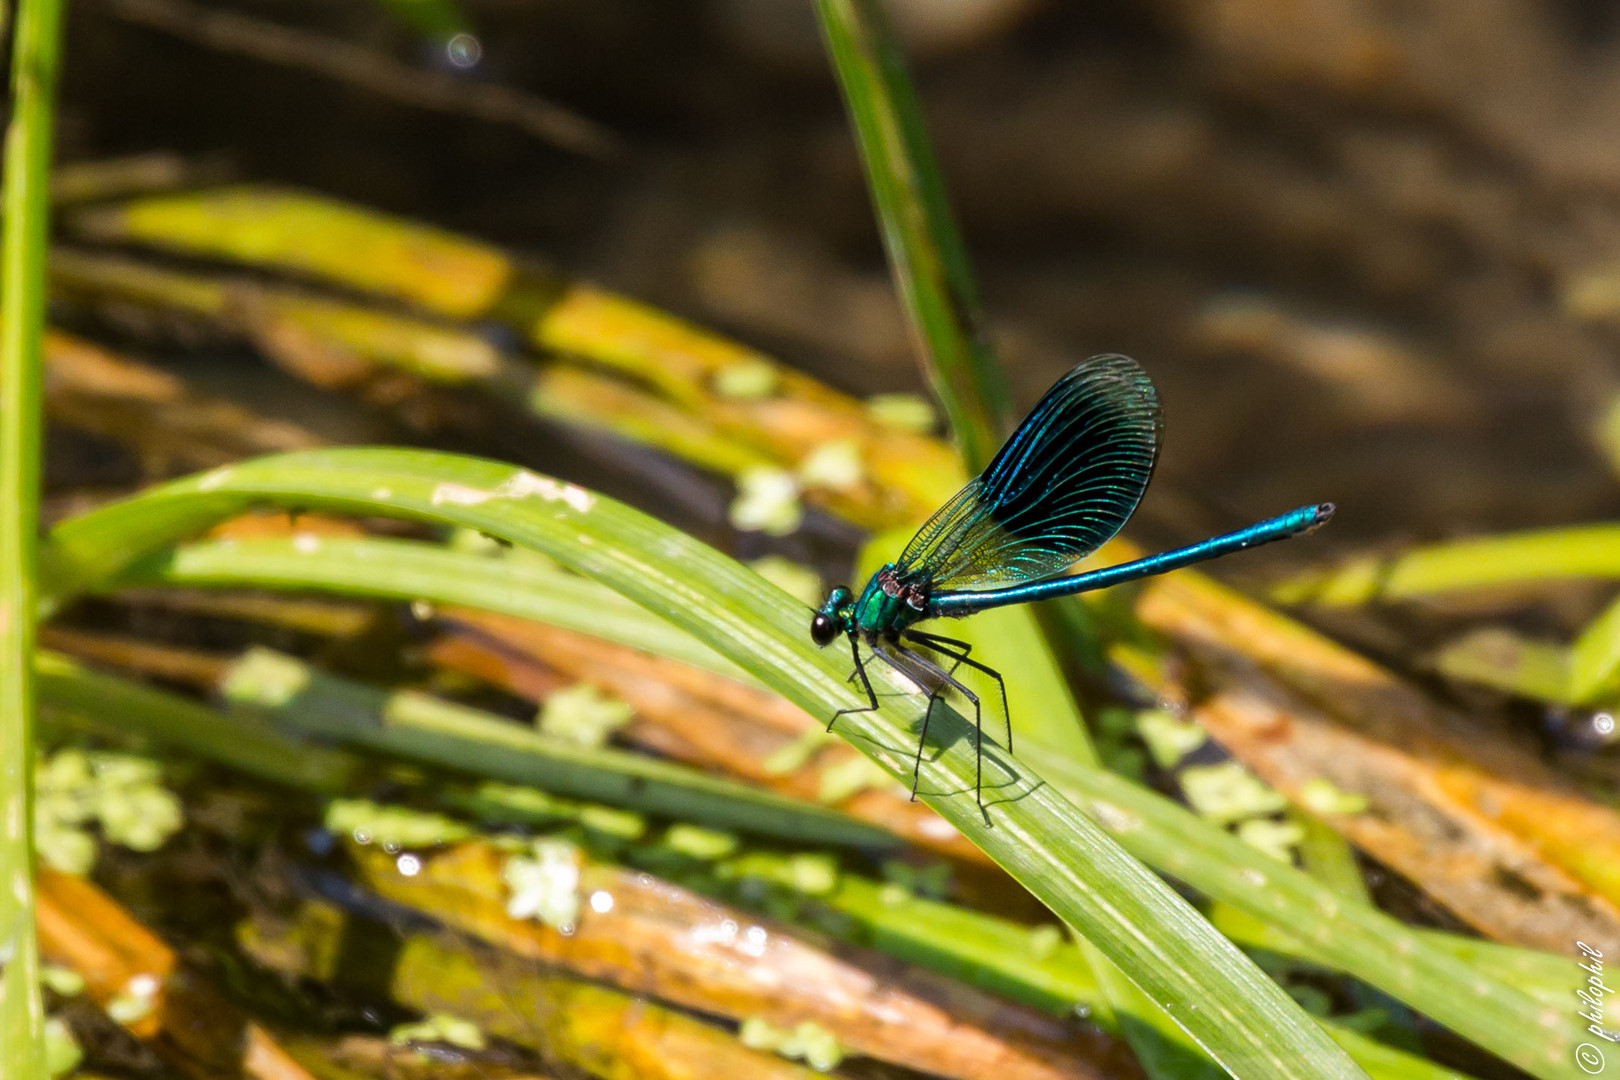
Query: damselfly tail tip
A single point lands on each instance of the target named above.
(1324, 514)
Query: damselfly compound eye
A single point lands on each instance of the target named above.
(823, 630)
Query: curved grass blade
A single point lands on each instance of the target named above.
(1211, 990)
(410, 725)
(982, 949)
(410, 570)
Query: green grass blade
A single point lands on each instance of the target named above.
(408, 725)
(990, 952)
(436, 20)
(26, 204)
(1384, 1062)
(1211, 990)
(1339, 932)
(935, 280)
(1001, 956)
(411, 570)
(927, 255)
(1163, 1049)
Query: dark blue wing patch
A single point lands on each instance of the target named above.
(1065, 482)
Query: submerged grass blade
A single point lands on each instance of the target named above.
(443, 733)
(661, 939)
(586, 1026)
(26, 206)
(73, 695)
(410, 725)
(1210, 989)
(1299, 706)
(295, 696)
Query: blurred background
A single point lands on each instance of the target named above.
(1368, 250)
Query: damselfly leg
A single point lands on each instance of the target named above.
(866, 684)
(931, 677)
(945, 646)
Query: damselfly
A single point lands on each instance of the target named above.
(1061, 486)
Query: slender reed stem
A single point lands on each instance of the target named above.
(929, 260)
(25, 200)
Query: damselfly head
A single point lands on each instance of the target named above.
(831, 620)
